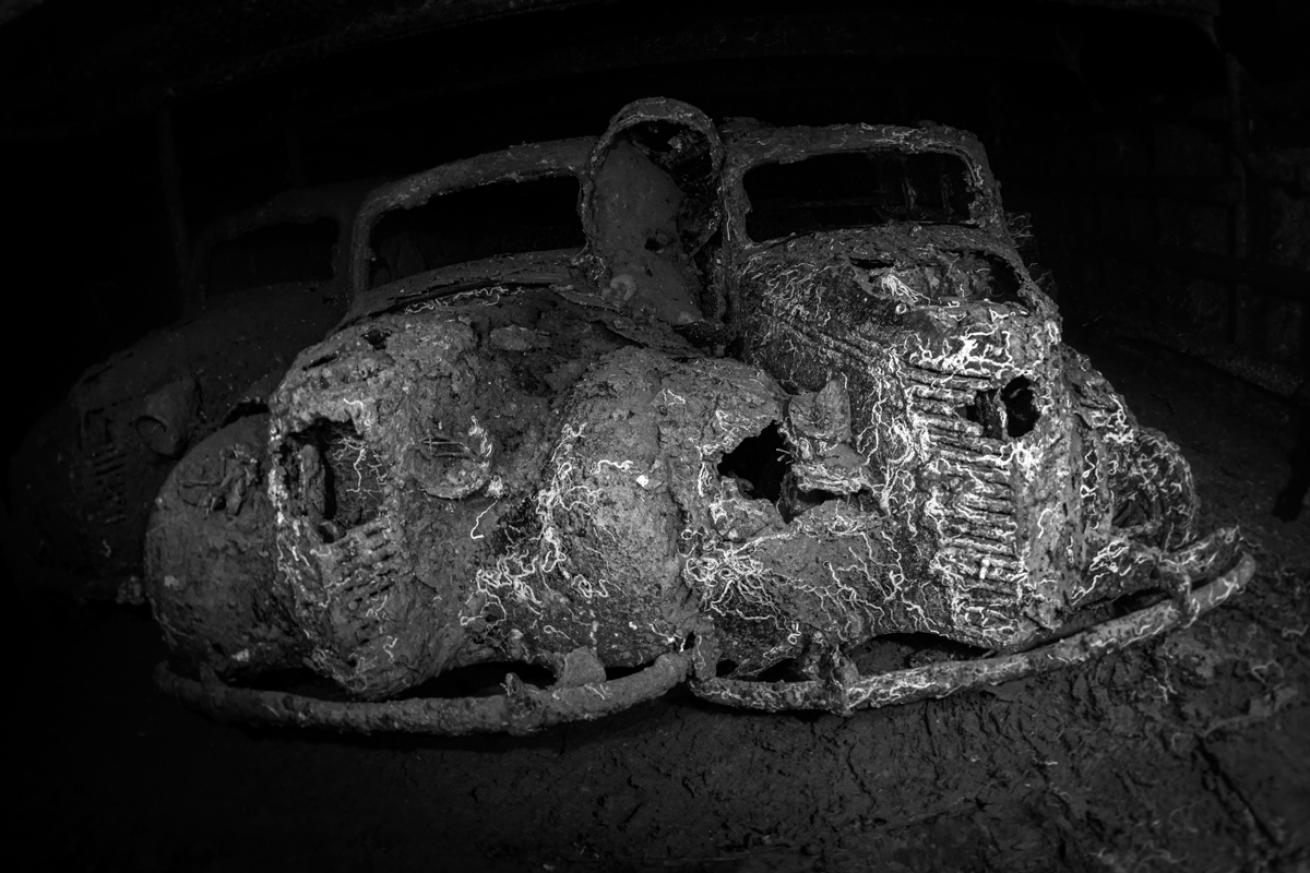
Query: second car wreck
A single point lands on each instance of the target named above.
(686, 454)
(263, 282)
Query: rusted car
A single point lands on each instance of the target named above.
(964, 473)
(761, 430)
(210, 546)
(264, 283)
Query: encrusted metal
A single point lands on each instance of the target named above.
(735, 464)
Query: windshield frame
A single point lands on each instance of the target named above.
(751, 144)
(528, 162)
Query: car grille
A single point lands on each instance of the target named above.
(972, 501)
(102, 483)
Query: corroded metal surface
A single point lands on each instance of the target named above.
(211, 533)
(398, 448)
(523, 710)
(846, 693)
(549, 473)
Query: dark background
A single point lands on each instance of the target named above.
(1160, 147)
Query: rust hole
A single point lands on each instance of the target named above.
(1007, 411)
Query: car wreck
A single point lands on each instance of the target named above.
(262, 283)
(797, 396)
